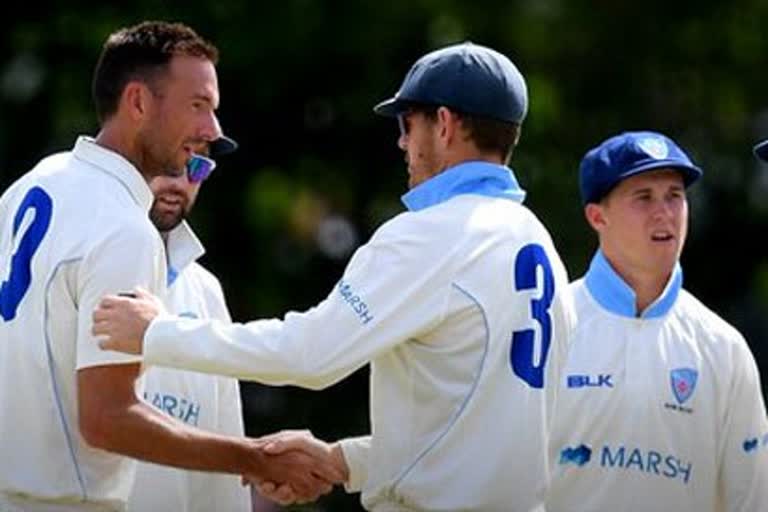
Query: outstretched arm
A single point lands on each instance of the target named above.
(112, 418)
(386, 297)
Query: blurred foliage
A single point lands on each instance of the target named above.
(318, 172)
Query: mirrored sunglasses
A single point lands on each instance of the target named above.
(199, 168)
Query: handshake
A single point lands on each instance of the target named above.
(293, 466)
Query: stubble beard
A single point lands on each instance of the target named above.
(157, 158)
(166, 221)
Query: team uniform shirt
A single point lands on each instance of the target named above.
(72, 229)
(657, 412)
(457, 305)
(208, 402)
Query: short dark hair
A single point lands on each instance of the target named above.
(489, 135)
(492, 135)
(141, 52)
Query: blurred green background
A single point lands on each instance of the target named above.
(317, 172)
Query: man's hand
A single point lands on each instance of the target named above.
(120, 321)
(322, 460)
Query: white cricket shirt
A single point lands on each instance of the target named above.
(459, 410)
(208, 402)
(72, 229)
(661, 412)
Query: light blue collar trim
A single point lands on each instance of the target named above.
(475, 177)
(615, 295)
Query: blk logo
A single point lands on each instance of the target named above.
(602, 380)
(578, 456)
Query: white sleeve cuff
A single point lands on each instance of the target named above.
(151, 352)
(356, 450)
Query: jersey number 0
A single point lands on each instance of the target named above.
(531, 258)
(20, 277)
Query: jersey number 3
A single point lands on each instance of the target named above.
(531, 258)
(14, 289)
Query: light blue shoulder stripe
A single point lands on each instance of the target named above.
(55, 385)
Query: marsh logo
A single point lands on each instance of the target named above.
(578, 456)
(753, 444)
(182, 408)
(355, 302)
(648, 462)
(654, 147)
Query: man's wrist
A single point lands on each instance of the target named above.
(337, 456)
(251, 459)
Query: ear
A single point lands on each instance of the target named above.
(596, 216)
(135, 100)
(447, 124)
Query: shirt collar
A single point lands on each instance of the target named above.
(110, 162)
(475, 177)
(615, 295)
(182, 248)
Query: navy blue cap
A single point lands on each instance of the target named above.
(761, 150)
(628, 154)
(466, 77)
(222, 146)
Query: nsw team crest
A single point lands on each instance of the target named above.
(683, 382)
(654, 147)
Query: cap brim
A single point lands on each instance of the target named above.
(222, 146)
(690, 173)
(761, 151)
(390, 108)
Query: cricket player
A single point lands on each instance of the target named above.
(206, 401)
(74, 228)
(660, 405)
(456, 304)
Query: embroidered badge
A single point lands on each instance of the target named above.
(683, 382)
(655, 147)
